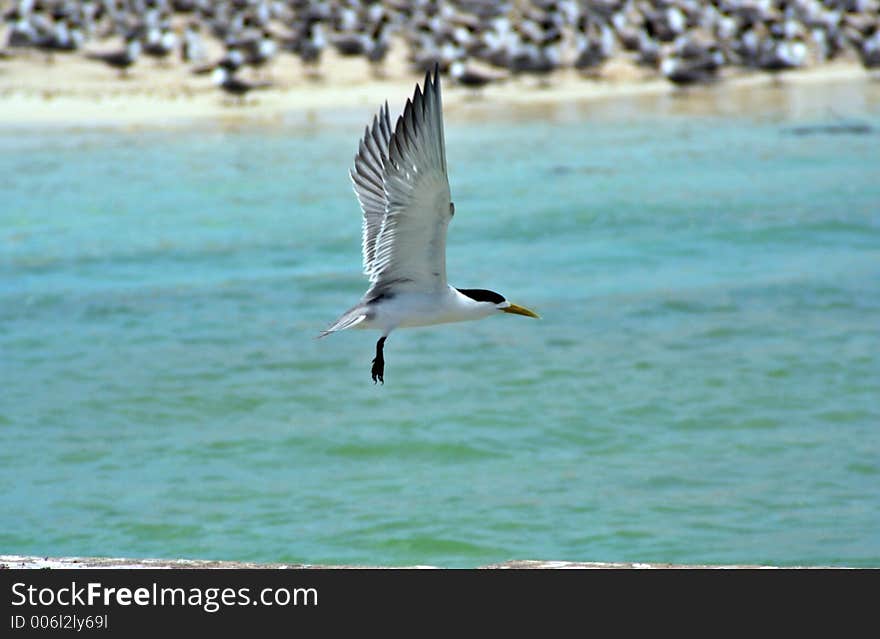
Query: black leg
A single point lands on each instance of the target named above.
(379, 362)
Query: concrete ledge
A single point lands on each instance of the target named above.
(19, 561)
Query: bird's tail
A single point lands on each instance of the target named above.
(349, 319)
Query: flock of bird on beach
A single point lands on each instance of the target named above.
(475, 42)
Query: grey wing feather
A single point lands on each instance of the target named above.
(410, 247)
(367, 177)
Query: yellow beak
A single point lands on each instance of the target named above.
(520, 310)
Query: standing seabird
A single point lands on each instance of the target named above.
(260, 51)
(594, 44)
(121, 59)
(701, 69)
(694, 59)
(193, 49)
(782, 55)
(233, 59)
(65, 37)
(160, 42)
(21, 33)
(380, 43)
(470, 77)
(869, 50)
(401, 182)
(235, 86)
(310, 45)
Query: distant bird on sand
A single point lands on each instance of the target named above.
(233, 59)
(401, 182)
(782, 55)
(594, 45)
(234, 85)
(160, 42)
(308, 44)
(260, 51)
(351, 44)
(123, 58)
(193, 48)
(469, 77)
(700, 69)
(869, 51)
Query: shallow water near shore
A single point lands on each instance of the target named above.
(702, 387)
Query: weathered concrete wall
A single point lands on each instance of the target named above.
(17, 561)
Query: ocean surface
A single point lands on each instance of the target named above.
(703, 386)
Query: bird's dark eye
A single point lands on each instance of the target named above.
(452, 208)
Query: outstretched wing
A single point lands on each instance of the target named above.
(367, 176)
(408, 249)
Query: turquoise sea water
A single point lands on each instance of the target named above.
(704, 385)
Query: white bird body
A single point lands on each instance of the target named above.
(400, 180)
(267, 47)
(169, 40)
(194, 46)
(426, 309)
(318, 39)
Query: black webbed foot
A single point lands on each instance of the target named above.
(378, 371)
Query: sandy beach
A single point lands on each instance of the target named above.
(74, 91)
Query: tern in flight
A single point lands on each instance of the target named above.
(400, 180)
